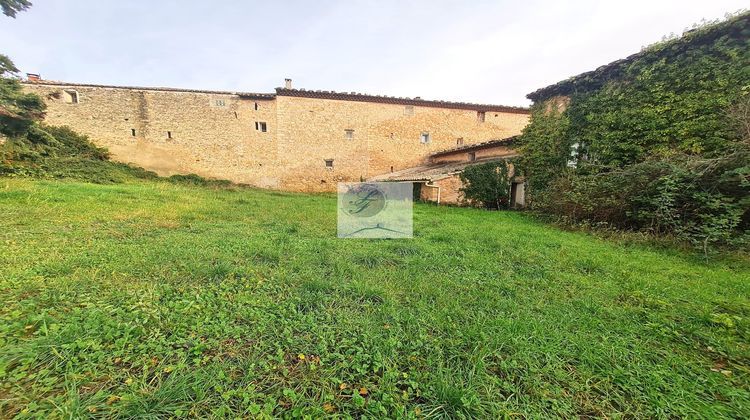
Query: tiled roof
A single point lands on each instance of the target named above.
(319, 94)
(431, 172)
(162, 89)
(362, 97)
(476, 146)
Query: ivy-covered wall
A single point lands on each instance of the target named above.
(676, 102)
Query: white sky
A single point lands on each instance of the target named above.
(476, 51)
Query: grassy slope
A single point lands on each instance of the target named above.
(156, 298)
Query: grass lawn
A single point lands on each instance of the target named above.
(154, 299)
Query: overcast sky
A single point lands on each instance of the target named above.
(476, 51)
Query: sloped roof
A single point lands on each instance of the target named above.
(477, 146)
(737, 26)
(431, 172)
(363, 97)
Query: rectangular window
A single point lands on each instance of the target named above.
(349, 134)
(132, 132)
(424, 138)
(480, 116)
(408, 110)
(329, 163)
(459, 141)
(472, 156)
(261, 126)
(70, 96)
(169, 134)
(256, 106)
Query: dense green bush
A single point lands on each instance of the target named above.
(656, 143)
(18, 110)
(45, 151)
(487, 184)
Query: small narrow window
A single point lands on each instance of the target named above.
(256, 106)
(169, 134)
(349, 134)
(480, 116)
(459, 141)
(329, 163)
(70, 96)
(472, 156)
(408, 110)
(573, 159)
(132, 132)
(235, 114)
(424, 138)
(261, 126)
(391, 168)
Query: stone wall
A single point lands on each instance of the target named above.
(214, 134)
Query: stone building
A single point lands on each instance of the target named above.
(293, 139)
(438, 180)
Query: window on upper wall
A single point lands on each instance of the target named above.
(70, 96)
(256, 106)
(169, 134)
(424, 138)
(472, 156)
(132, 132)
(480, 116)
(329, 163)
(349, 133)
(408, 110)
(459, 141)
(261, 126)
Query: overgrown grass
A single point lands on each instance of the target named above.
(156, 299)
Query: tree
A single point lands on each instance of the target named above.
(11, 7)
(18, 110)
(487, 183)
(6, 66)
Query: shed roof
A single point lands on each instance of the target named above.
(477, 146)
(432, 172)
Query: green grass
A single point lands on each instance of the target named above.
(156, 299)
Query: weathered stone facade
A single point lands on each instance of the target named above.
(440, 181)
(292, 140)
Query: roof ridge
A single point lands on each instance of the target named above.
(154, 88)
(366, 97)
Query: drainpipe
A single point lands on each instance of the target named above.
(427, 184)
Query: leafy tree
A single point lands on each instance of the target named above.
(18, 110)
(487, 184)
(6, 66)
(11, 7)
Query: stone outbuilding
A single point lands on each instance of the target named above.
(439, 180)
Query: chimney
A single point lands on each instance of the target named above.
(32, 77)
(287, 83)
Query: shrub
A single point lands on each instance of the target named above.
(487, 184)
